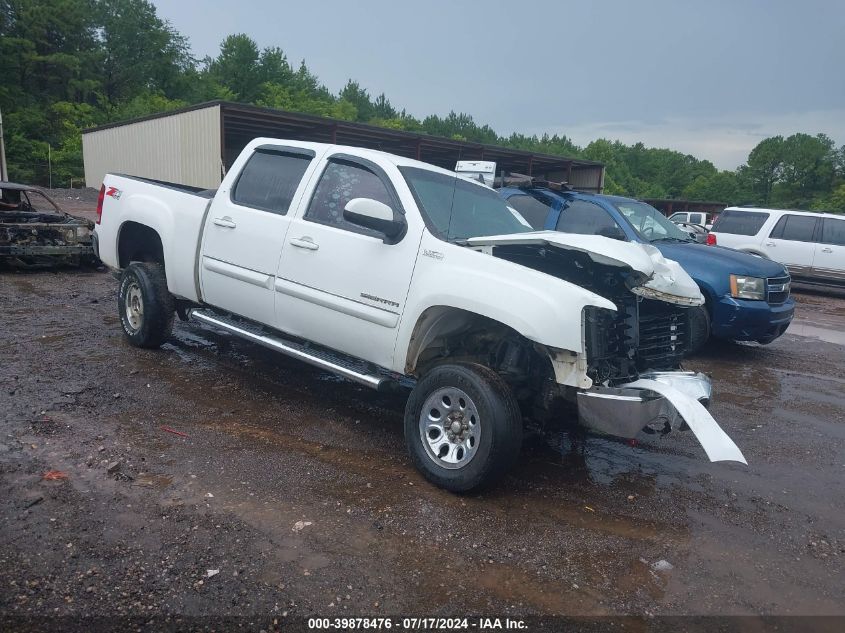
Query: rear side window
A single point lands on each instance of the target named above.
(833, 232)
(795, 228)
(269, 180)
(585, 218)
(740, 222)
(533, 210)
(696, 218)
(340, 183)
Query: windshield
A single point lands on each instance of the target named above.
(650, 223)
(456, 209)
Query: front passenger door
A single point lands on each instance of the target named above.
(339, 284)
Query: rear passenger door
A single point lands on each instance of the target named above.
(791, 242)
(829, 260)
(586, 218)
(534, 210)
(245, 229)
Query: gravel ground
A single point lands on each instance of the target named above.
(80, 202)
(286, 492)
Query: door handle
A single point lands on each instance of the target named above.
(827, 250)
(770, 243)
(226, 222)
(304, 242)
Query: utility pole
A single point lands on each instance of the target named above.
(50, 163)
(4, 174)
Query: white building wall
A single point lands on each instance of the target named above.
(182, 148)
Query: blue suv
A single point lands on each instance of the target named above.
(747, 297)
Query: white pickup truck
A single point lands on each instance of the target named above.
(384, 269)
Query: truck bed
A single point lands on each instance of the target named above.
(173, 211)
(195, 191)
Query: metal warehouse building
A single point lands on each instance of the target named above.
(198, 144)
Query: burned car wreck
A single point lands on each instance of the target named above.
(35, 232)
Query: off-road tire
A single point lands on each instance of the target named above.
(499, 420)
(699, 324)
(145, 281)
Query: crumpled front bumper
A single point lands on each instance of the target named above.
(658, 398)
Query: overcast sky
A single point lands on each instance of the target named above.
(708, 78)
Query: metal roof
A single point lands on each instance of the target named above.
(242, 122)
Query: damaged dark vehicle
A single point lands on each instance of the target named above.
(35, 232)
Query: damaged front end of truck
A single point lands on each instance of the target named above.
(628, 375)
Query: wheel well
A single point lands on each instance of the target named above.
(138, 243)
(445, 332)
(709, 297)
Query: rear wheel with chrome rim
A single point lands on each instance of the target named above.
(145, 305)
(462, 426)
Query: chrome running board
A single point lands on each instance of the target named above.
(327, 360)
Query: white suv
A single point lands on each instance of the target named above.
(811, 245)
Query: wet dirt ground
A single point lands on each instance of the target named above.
(295, 485)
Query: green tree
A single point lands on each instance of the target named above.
(765, 167)
(274, 66)
(382, 108)
(460, 127)
(141, 51)
(70, 64)
(832, 203)
(808, 167)
(723, 186)
(360, 98)
(237, 68)
(49, 51)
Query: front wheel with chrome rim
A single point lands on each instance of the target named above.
(462, 426)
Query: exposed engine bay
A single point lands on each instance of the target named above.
(642, 335)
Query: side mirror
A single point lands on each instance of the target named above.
(614, 233)
(375, 215)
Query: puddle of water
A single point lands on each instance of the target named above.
(812, 331)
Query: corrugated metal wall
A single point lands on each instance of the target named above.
(183, 148)
(583, 177)
(587, 178)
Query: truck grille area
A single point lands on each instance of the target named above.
(777, 289)
(643, 335)
(664, 336)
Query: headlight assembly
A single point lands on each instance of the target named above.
(743, 287)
